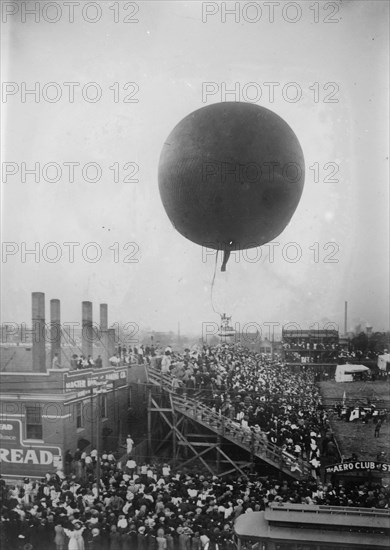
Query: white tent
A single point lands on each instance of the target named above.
(344, 373)
(383, 361)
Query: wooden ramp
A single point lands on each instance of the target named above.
(179, 412)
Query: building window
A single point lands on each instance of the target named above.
(79, 415)
(34, 422)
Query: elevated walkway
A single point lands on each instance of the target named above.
(225, 429)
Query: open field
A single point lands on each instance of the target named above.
(356, 437)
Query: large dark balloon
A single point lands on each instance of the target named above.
(231, 175)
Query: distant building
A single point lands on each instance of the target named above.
(46, 411)
(44, 414)
(310, 346)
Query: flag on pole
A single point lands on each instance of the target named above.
(354, 415)
(344, 398)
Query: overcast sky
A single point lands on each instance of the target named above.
(169, 54)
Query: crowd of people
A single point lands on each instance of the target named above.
(328, 356)
(123, 356)
(283, 406)
(150, 507)
(78, 362)
(301, 351)
(293, 353)
(361, 413)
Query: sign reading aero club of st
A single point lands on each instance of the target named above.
(358, 466)
(15, 453)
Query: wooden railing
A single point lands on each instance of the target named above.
(255, 443)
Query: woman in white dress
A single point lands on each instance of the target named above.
(76, 541)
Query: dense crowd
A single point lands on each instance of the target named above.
(123, 356)
(148, 507)
(236, 383)
(301, 351)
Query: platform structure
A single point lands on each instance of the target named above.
(221, 445)
(226, 332)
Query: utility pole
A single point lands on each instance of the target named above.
(101, 388)
(174, 437)
(149, 423)
(92, 422)
(98, 418)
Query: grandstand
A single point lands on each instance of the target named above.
(224, 429)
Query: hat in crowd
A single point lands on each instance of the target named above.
(77, 524)
(141, 529)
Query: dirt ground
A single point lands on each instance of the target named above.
(356, 437)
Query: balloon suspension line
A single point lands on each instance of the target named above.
(212, 285)
(226, 255)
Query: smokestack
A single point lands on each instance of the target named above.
(87, 329)
(38, 332)
(345, 317)
(111, 342)
(55, 329)
(104, 334)
(103, 317)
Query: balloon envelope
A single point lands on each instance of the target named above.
(231, 175)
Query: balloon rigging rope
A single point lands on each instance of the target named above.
(212, 284)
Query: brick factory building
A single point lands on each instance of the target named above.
(45, 412)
